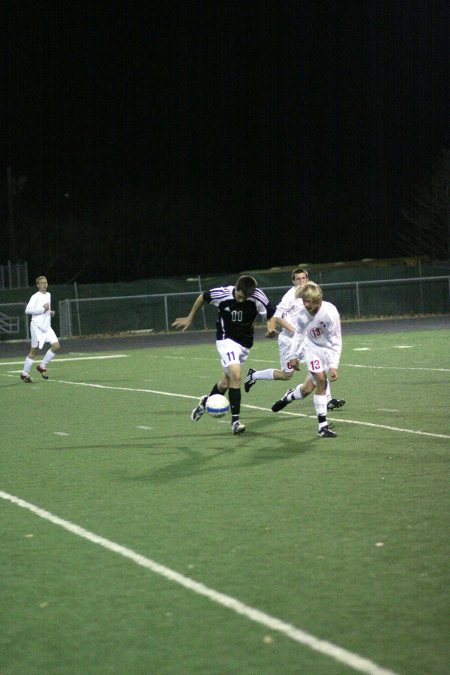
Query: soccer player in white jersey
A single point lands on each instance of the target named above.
(286, 316)
(318, 342)
(238, 306)
(39, 308)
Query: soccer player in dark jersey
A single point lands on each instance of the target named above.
(238, 306)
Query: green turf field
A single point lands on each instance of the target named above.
(136, 541)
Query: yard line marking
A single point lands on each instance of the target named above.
(363, 424)
(142, 391)
(358, 365)
(75, 358)
(253, 407)
(351, 659)
(350, 365)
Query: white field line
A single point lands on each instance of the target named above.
(276, 364)
(354, 661)
(254, 407)
(369, 424)
(74, 358)
(357, 365)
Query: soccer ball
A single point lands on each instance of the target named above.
(217, 405)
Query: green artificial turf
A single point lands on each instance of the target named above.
(345, 539)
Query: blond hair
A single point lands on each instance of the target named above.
(41, 277)
(309, 291)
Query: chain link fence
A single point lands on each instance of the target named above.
(156, 312)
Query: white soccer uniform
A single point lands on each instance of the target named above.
(288, 308)
(40, 328)
(319, 337)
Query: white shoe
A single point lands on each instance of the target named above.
(199, 409)
(237, 427)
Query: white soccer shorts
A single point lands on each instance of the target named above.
(285, 349)
(39, 338)
(317, 359)
(231, 352)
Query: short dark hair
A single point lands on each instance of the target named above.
(246, 284)
(299, 270)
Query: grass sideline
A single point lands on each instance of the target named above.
(345, 539)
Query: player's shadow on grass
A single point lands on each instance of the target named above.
(282, 441)
(200, 462)
(193, 464)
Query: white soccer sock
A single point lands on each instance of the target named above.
(27, 365)
(328, 392)
(320, 404)
(297, 395)
(263, 374)
(47, 358)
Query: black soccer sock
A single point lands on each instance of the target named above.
(235, 403)
(214, 390)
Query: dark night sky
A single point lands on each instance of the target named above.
(298, 130)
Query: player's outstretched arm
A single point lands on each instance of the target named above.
(271, 328)
(185, 321)
(182, 322)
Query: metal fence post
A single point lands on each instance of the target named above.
(166, 311)
(358, 307)
(65, 319)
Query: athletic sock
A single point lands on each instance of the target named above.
(320, 404)
(47, 358)
(27, 365)
(235, 402)
(214, 390)
(266, 374)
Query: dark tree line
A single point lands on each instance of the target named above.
(428, 216)
(135, 234)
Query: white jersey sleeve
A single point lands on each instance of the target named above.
(334, 337)
(288, 308)
(297, 345)
(35, 308)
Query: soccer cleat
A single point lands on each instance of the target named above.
(283, 402)
(25, 377)
(42, 371)
(249, 381)
(237, 427)
(199, 409)
(335, 403)
(325, 432)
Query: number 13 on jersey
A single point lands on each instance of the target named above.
(315, 365)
